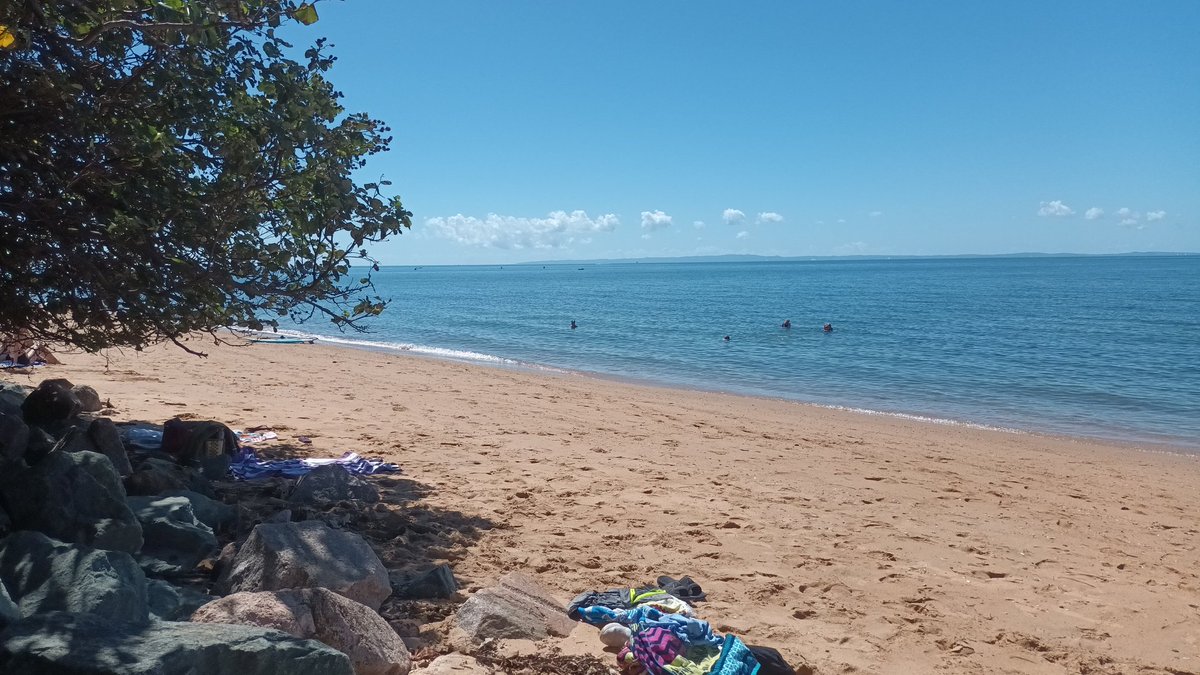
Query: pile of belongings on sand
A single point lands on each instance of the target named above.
(657, 632)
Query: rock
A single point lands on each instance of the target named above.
(39, 445)
(615, 635)
(215, 514)
(454, 664)
(330, 484)
(517, 607)
(11, 398)
(305, 555)
(44, 575)
(155, 476)
(160, 569)
(284, 516)
(107, 440)
(171, 531)
(89, 400)
(9, 612)
(318, 613)
(14, 436)
(5, 522)
(436, 583)
(74, 497)
(169, 602)
(65, 644)
(51, 402)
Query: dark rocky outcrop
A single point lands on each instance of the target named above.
(44, 575)
(73, 644)
(171, 531)
(74, 497)
(52, 402)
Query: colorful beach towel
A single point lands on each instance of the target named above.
(248, 466)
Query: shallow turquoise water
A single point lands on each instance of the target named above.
(1105, 347)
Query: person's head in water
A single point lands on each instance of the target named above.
(573, 324)
(787, 323)
(727, 338)
(828, 328)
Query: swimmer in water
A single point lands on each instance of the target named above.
(787, 323)
(727, 338)
(573, 326)
(828, 328)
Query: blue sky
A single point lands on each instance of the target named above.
(533, 131)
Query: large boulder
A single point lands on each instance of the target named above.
(436, 583)
(66, 644)
(517, 607)
(106, 438)
(350, 627)
(89, 400)
(171, 530)
(11, 397)
(74, 497)
(53, 401)
(215, 514)
(330, 484)
(14, 437)
(307, 555)
(44, 575)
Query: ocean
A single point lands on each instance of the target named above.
(1099, 347)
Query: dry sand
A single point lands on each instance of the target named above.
(858, 543)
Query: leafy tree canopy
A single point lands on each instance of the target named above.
(168, 167)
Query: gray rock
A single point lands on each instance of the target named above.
(318, 613)
(14, 436)
(171, 530)
(310, 554)
(215, 514)
(9, 612)
(65, 644)
(155, 476)
(89, 400)
(160, 569)
(107, 440)
(436, 583)
(39, 445)
(330, 484)
(169, 602)
(11, 398)
(44, 575)
(74, 497)
(5, 522)
(517, 607)
(51, 402)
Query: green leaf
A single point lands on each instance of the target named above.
(306, 14)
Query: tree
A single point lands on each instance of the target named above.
(167, 167)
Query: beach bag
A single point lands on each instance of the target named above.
(208, 446)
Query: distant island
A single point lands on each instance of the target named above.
(776, 258)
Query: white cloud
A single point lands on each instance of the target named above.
(769, 217)
(743, 234)
(1155, 215)
(733, 216)
(1094, 213)
(820, 222)
(655, 220)
(646, 236)
(841, 220)
(1128, 216)
(1055, 208)
(557, 230)
(698, 224)
(875, 214)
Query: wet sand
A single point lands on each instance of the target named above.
(857, 543)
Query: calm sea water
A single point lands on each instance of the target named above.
(1105, 347)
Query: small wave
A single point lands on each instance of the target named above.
(423, 350)
(923, 418)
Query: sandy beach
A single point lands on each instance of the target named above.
(853, 542)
